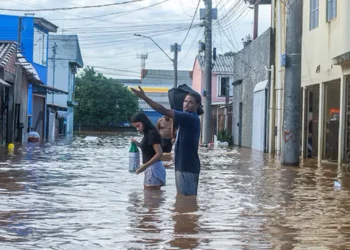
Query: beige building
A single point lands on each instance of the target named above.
(325, 80)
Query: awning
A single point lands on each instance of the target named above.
(44, 89)
(342, 59)
(63, 114)
(57, 107)
(2, 82)
(260, 86)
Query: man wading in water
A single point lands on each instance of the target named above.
(187, 164)
(165, 129)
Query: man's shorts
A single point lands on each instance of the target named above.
(186, 183)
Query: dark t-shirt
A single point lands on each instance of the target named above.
(149, 139)
(187, 140)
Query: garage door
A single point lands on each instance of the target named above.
(259, 113)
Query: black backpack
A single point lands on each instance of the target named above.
(177, 96)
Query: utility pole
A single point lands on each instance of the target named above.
(208, 73)
(227, 100)
(292, 89)
(175, 64)
(54, 70)
(143, 58)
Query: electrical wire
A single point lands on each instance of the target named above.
(115, 13)
(75, 7)
(194, 16)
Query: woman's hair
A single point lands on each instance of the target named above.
(198, 100)
(147, 124)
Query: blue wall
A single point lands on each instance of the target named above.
(9, 31)
(153, 116)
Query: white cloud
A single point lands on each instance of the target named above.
(109, 42)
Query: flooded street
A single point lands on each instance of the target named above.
(81, 196)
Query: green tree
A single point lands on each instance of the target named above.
(102, 101)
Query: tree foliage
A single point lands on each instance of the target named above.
(102, 101)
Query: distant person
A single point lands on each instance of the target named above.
(153, 167)
(166, 131)
(187, 164)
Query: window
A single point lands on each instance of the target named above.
(313, 14)
(223, 86)
(331, 9)
(40, 47)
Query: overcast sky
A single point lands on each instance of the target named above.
(106, 34)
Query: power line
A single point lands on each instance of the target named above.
(194, 16)
(75, 7)
(115, 13)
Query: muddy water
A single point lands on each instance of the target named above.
(80, 195)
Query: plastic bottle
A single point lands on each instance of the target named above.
(134, 158)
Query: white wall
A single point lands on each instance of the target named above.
(320, 45)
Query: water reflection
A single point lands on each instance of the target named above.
(81, 196)
(185, 219)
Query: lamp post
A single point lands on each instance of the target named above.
(175, 48)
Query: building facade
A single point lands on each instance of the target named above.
(16, 75)
(251, 88)
(326, 80)
(64, 60)
(221, 92)
(31, 34)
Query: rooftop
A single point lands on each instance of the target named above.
(45, 24)
(7, 49)
(222, 64)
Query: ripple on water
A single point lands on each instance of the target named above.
(80, 195)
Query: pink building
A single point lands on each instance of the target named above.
(221, 74)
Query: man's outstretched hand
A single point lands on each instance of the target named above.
(139, 93)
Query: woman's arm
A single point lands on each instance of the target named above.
(159, 153)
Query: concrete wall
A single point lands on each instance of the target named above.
(61, 82)
(66, 52)
(249, 66)
(21, 98)
(322, 44)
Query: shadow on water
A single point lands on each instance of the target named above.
(80, 195)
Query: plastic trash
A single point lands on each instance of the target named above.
(337, 184)
(90, 138)
(219, 144)
(33, 136)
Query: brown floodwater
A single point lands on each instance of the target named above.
(80, 195)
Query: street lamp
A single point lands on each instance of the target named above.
(174, 61)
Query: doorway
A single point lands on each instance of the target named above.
(331, 120)
(313, 102)
(240, 121)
